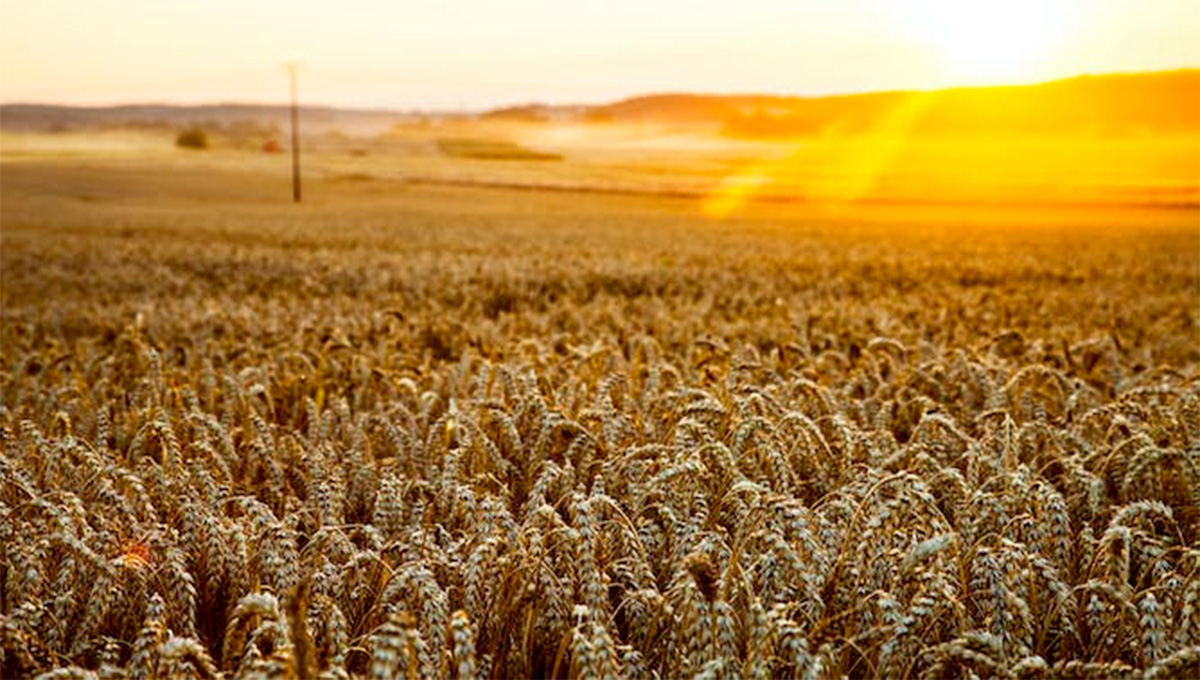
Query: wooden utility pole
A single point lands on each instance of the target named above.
(292, 67)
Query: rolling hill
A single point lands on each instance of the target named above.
(1117, 104)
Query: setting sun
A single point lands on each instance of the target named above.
(983, 42)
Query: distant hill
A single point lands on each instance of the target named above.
(1163, 102)
(692, 108)
(1108, 104)
(45, 118)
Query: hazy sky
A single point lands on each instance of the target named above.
(477, 53)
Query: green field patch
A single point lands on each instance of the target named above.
(491, 150)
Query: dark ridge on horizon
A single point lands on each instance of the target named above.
(317, 118)
(1156, 99)
(1115, 103)
(1195, 70)
(668, 94)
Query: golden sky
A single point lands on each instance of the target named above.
(479, 53)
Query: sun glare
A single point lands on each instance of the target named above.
(982, 42)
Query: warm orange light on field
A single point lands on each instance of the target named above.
(989, 41)
(850, 164)
(136, 555)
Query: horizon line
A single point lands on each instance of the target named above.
(469, 110)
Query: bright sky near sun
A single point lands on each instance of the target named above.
(479, 53)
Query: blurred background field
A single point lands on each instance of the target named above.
(1076, 142)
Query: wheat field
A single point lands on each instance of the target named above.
(453, 432)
